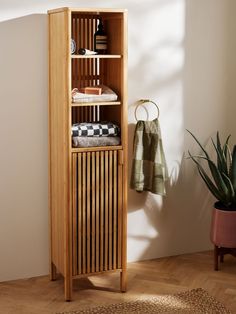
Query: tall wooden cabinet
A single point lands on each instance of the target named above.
(87, 186)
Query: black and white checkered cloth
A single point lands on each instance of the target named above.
(95, 129)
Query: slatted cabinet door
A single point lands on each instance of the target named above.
(97, 183)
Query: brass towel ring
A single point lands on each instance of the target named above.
(143, 101)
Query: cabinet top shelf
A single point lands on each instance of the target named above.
(96, 56)
(89, 10)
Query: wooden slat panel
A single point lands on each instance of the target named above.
(79, 180)
(119, 216)
(76, 60)
(84, 214)
(110, 228)
(97, 209)
(74, 214)
(93, 217)
(87, 113)
(82, 83)
(83, 35)
(102, 212)
(115, 211)
(87, 31)
(82, 115)
(88, 211)
(96, 71)
(91, 33)
(79, 32)
(106, 212)
(73, 63)
(89, 60)
(101, 71)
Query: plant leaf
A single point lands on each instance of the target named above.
(219, 182)
(226, 150)
(225, 146)
(231, 188)
(205, 152)
(233, 171)
(221, 160)
(212, 188)
(218, 141)
(218, 193)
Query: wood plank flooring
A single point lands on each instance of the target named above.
(160, 276)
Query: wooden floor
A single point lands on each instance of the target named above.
(160, 276)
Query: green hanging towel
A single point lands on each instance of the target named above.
(149, 169)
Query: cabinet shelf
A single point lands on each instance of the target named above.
(96, 56)
(100, 103)
(95, 149)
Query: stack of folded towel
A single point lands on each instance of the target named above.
(89, 134)
(106, 95)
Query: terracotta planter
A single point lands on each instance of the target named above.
(223, 228)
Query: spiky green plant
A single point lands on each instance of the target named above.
(222, 179)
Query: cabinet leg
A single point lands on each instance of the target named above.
(123, 281)
(53, 272)
(68, 289)
(216, 257)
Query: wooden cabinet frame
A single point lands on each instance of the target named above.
(79, 183)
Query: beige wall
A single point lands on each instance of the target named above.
(231, 72)
(181, 54)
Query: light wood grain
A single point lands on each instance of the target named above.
(106, 211)
(120, 209)
(115, 192)
(84, 213)
(98, 217)
(88, 214)
(110, 211)
(96, 149)
(87, 186)
(74, 213)
(80, 211)
(96, 56)
(58, 138)
(87, 104)
(93, 215)
(86, 10)
(124, 123)
(102, 212)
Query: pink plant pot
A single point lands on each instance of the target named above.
(223, 228)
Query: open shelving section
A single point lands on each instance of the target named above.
(87, 185)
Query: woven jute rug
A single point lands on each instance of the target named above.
(194, 301)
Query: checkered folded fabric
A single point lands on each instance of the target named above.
(94, 129)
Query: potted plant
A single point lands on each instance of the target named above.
(221, 182)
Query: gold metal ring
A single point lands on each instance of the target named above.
(143, 101)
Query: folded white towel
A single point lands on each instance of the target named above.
(107, 95)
